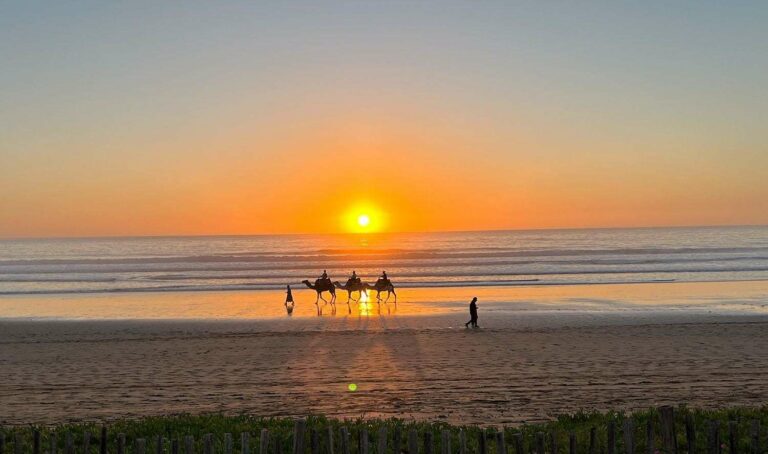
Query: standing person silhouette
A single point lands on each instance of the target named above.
(472, 314)
(289, 301)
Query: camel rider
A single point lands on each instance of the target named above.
(324, 276)
(384, 277)
(354, 279)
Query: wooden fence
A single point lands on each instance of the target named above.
(717, 439)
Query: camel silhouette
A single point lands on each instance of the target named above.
(352, 286)
(319, 287)
(382, 285)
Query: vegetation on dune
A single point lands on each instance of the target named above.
(280, 430)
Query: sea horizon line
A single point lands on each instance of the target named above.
(370, 234)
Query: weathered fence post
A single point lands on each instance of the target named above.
(572, 443)
(650, 443)
(540, 442)
(733, 430)
(428, 442)
(139, 446)
(754, 435)
(362, 441)
(120, 443)
(264, 442)
(175, 446)
(445, 442)
(593, 440)
(381, 442)
(611, 437)
(462, 442)
(87, 443)
(54, 445)
(713, 438)
(553, 436)
(481, 448)
(397, 440)
(158, 444)
(329, 439)
(299, 427)
(36, 442)
(103, 440)
(500, 445)
(18, 443)
(245, 442)
(518, 438)
(314, 441)
(344, 440)
(69, 444)
(189, 444)
(413, 442)
(628, 434)
(208, 444)
(690, 433)
(227, 443)
(669, 440)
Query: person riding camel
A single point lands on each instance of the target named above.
(324, 276)
(384, 277)
(354, 279)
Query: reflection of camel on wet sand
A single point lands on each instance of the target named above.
(321, 286)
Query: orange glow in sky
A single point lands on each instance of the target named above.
(266, 118)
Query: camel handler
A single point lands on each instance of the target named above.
(289, 301)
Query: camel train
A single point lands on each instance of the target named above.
(353, 284)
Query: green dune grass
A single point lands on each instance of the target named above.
(281, 432)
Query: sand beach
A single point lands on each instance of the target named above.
(522, 365)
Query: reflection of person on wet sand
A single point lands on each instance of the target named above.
(472, 314)
(289, 301)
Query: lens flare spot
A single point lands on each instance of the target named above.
(363, 220)
(352, 387)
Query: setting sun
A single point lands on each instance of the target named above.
(364, 217)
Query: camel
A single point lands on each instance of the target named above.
(320, 287)
(352, 286)
(382, 285)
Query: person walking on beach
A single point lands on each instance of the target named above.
(289, 301)
(472, 314)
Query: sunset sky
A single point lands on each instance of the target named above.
(160, 118)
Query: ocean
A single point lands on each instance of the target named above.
(412, 260)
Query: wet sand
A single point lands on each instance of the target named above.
(523, 366)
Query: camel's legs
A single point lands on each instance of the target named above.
(325, 303)
(393, 292)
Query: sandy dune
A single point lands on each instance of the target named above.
(522, 368)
